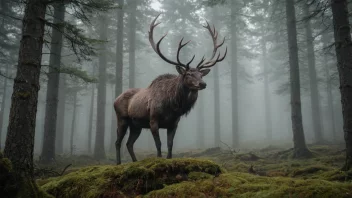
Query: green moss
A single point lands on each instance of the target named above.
(199, 176)
(23, 95)
(246, 185)
(127, 179)
(309, 170)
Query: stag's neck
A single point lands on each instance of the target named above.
(185, 98)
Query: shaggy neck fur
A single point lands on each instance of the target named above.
(173, 94)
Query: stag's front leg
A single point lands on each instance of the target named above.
(154, 127)
(170, 141)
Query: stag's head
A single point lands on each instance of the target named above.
(192, 77)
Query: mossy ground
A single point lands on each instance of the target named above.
(128, 179)
(268, 172)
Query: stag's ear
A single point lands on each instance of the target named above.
(180, 70)
(205, 72)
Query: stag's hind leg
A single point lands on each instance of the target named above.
(134, 134)
(122, 126)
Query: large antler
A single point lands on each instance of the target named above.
(156, 47)
(211, 63)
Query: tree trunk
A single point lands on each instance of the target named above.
(2, 111)
(314, 94)
(200, 121)
(234, 76)
(300, 148)
(73, 124)
(217, 127)
(268, 121)
(330, 109)
(60, 127)
(217, 130)
(91, 115)
(343, 47)
(48, 150)
(21, 129)
(119, 69)
(132, 21)
(99, 150)
(3, 8)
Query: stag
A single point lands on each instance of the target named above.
(165, 100)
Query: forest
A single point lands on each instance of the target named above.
(163, 98)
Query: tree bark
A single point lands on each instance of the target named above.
(73, 124)
(91, 115)
(200, 121)
(330, 108)
(132, 21)
(3, 102)
(343, 47)
(21, 129)
(314, 94)
(118, 70)
(300, 148)
(60, 127)
(217, 129)
(48, 150)
(99, 150)
(234, 76)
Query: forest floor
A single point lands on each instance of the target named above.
(215, 172)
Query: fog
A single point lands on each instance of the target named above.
(185, 19)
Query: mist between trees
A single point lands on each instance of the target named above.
(278, 64)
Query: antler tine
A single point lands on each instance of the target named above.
(157, 47)
(203, 59)
(190, 61)
(180, 46)
(212, 63)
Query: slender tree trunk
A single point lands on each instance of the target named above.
(99, 150)
(118, 70)
(73, 124)
(314, 94)
(330, 109)
(2, 111)
(60, 127)
(234, 76)
(267, 102)
(200, 121)
(19, 144)
(300, 148)
(2, 27)
(91, 115)
(217, 129)
(343, 47)
(48, 150)
(132, 21)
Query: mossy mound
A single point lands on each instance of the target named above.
(129, 179)
(246, 185)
